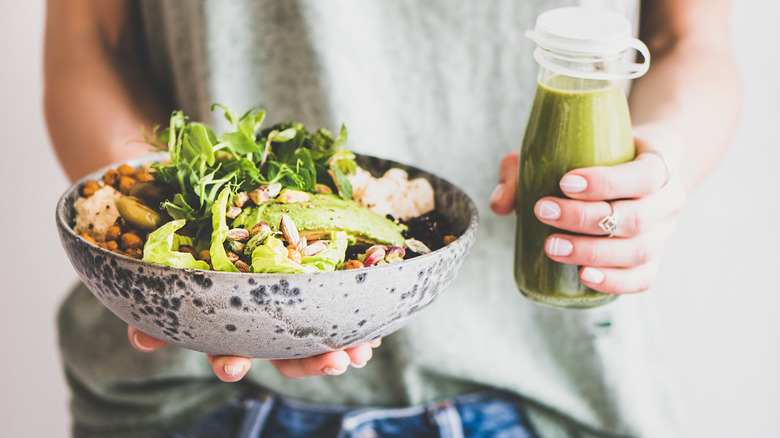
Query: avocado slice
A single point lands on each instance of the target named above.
(323, 214)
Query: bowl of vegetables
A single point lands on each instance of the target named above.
(264, 242)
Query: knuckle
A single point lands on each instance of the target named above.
(643, 252)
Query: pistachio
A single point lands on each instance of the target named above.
(237, 234)
(301, 244)
(260, 227)
(257, 239)
(138, 214)
(289, 230)
(236, 246)
(395, 254)
(233, 211)
(232, 257)
(314, 248)
(374, 255)
(322, 188)
(241, 266)
(415, 245)
(258, 196)
(273, 189)
(293, 197)
(240, 199)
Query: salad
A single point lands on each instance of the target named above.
(279, 200)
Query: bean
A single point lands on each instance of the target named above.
(131, 241)
(137, 214)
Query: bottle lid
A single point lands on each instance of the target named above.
(574, 32)
(586, 31)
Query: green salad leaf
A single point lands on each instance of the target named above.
(159, 247)
(206, 170)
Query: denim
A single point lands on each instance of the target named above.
(483, 415)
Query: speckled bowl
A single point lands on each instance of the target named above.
(271, 315)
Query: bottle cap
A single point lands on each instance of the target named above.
(590, 32)
(586, 31)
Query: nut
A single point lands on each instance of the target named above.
(314, 247)
(240, 199)
(258, 196)
(233, 211)
(293, 197)
(241, 266)
(237, 234)
(374, 255)
(289, 230)
(395, 254)
(415, 245)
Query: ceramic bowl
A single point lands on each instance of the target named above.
(271, 315)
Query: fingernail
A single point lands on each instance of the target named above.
(573, 184)
(232, 370)
(358, 365)
(140, 345)
(332, 371)
(498, 194)
(592, 275)
(559, 247)
(548, 210)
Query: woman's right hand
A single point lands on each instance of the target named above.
(234, 368)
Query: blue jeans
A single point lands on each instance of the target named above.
(488, 414)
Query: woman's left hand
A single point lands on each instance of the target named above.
(643, 195)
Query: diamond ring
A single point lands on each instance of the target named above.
(610, 222)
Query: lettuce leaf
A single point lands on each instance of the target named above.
(331, 257)
(158, 247)
(219, 258)
(271, 256)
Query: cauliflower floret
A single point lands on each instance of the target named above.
(96, 213)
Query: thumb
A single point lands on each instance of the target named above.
(502, 201)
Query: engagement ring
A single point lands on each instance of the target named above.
(610, 222)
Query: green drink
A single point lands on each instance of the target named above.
(579, 118)
(574, 123)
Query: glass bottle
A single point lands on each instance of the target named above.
(579, 118)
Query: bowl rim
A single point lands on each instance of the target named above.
(67, 228)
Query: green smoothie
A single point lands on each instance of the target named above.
(573, 123)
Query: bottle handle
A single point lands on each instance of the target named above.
(634, 70)
(638, 69)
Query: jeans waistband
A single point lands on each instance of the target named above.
(446, 418)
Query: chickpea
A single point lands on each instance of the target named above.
(125, 184)
(205, 255)
(136, 253)
(113, 232)
(142, 176)
(111, 177)
(125, 170)
(111, 245)
(131, 241)
(449, 239)
(352, 264)
(90, 187)
(88, 238)
(293, 254)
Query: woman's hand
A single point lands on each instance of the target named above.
(646, 197)
(234, 368)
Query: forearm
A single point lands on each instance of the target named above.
(693, 90)
(95, 102)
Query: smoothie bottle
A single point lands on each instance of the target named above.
(579, 118)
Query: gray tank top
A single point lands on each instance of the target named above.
(445, 85)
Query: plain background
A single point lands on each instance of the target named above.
(719, 280)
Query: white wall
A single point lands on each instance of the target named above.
(718, 280)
